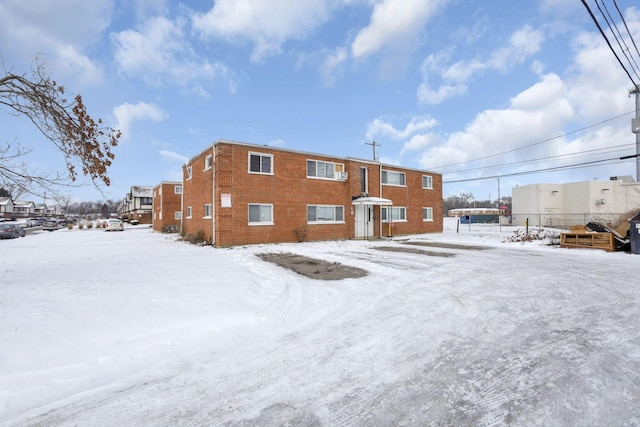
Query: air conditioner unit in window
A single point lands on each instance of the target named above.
(342, 176)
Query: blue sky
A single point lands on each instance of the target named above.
(472, 89)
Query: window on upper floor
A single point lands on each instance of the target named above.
(427, 182)
(189, 174)
(393, 178)
(261, 163)
(325, 170)
(208, 162)
(177, 215)
(189, 210)
(260, 214)
(394, 214)
(146, 200)
(427, 214)
(324, 213)
(177, 189)
(207, 210)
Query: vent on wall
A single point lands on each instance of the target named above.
(600, 201)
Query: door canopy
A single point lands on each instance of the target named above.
(372, 201)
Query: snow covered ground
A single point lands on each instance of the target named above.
(136, 328)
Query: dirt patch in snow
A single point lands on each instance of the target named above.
(413, 251)
(313, 267)
(446, 245)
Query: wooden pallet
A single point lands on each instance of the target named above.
(588, 240)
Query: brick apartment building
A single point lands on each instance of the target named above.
(167, 206)
(237, 193)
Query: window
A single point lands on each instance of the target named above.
(146, 200)
(260, 214)
(260, 163)
(160, 215)
(393, 178)
(324, 170)
(189, 172)
(189, 211)
(177, 215)
(319, 213)
(207, 211)
(177, 189)
(394, 214)
(364, 180)
(427, 181)
(208, 162)
(427, 214)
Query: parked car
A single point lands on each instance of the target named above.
(114, 225)
(11, 231)
(51, 225)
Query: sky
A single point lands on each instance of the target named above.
(471, 330)
(490, 94)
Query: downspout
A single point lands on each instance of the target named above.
(182, 204)
(213, 191)
(380, 207)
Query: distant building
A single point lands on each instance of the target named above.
(167, 206)
(237, 193)
(137, 205)
(562, 205)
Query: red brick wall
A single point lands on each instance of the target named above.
(165, 203)
(290, 191)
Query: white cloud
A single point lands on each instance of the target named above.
(173, 157)
(126, 114)
(332, 65)
(58, 32)
(393, 23)
(380, 129)
(160, 54)
(267, 24)
(523, 44)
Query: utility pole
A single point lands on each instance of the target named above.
(374, 144)
(635, 128)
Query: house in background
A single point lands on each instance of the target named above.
(24, 209)
(563, 205)
(6, 207)
(167, 206)
(236, 193)
(137, 205)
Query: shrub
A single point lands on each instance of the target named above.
(301, 232)
(196, 238)
(70, 226)
(80, 226)
(551, 238)
(90, 225)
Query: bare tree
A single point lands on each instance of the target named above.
(85, 143)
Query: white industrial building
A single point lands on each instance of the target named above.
(563, 205)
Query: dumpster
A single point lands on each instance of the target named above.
(634, 234)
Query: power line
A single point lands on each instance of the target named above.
(535, 143)
(557, 168)
(619, 37)
(625, 25)
(607, 40)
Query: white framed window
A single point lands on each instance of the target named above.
(189, 174)
(427, 182)
(325, 214)
(208, 162)
(177, 215)
(189, 210)
(207, 210)
(160, 215)
(427, 214)
(154, 216)
(177, 189)
(260, 214)
(261, 163)
(325, 170)
(393, 214)
(393, 178)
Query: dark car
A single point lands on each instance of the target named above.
(11, 231)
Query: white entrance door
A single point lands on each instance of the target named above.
(364, 221)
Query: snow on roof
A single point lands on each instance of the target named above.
(141, 191)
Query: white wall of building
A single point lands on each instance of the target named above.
(561, 205)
